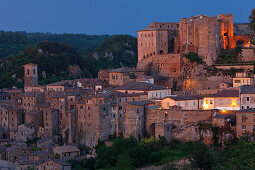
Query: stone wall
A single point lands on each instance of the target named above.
(247, 54)
(246, 67)
(177, 117)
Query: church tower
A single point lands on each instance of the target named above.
(31, 76)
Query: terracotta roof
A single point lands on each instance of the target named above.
(28, 125)
(26, 162)
(32, 64)
(44, 140)
(226, 93)
(32, 93)
(37, 153)
(141, 103)
(221, 116)
(249, 110)
(246, 89)
(140, 86)
(179, 98)
(33, 112)
(60, 162)
(67, 148)
(47, 104)
(59, 83)
(123, 70)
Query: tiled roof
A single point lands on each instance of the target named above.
(59, 83)
(26, 162)
(33, 112)
(67, 148)
(226, 93)
(37, 153)
(251, 110)
(28, 125)
(123, 70)
(57, 161)
(221, 116)
(32, 64)
(141, 103)
(140, 86)
(179, 98)
(47, 104)
(246, 89)
(44, 140)
(34, 94)
(60, 162)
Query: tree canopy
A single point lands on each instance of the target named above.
(252, 20)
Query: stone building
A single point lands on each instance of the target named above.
(134, 118)
(31, 99)
(13, 154)
(245, 122)
(163, 129)
(121, 76)
(185, 119)
(31, 76)
(243, 78)
(103, 75)
(153, 91)
(4, 117)
(162, 45)
(202, 35)
(34, 117)
(41, 156)
(54, 164)
(247, 97)
(185, 102)
(50, 123)
(26, 132)
(224, 100)
(67, 152)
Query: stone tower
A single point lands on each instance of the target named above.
(31, 76)
(227, 30)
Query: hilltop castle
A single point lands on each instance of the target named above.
(164, 43)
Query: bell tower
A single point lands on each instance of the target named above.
(31, 76)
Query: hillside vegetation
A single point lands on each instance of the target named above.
(55, 58)
(14, 42)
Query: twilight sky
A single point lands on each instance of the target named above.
(109, 16)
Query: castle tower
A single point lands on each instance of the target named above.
(31, 76)
(227, 30)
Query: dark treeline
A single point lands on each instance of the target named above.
(54, 58)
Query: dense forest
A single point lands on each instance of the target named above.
(55, 55)
(14, 42)
(128, 153)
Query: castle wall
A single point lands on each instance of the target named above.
(246, 55)
(246, 67)
(168, 64)
(201, 34)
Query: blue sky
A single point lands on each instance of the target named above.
(109, 16)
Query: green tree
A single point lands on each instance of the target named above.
(124, 162)
(241, 156)
(202, 157)
(252, 20)
(193, 57)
